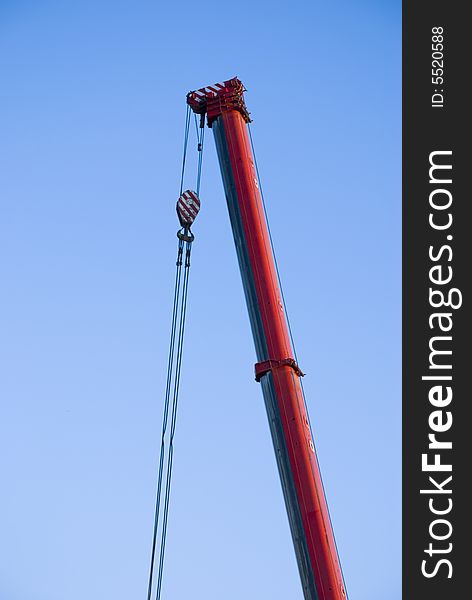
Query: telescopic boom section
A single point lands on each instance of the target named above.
(277, 371)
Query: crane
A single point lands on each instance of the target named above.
(276, 369)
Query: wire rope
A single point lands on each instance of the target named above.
(170, 363)
(170, 456)
(174, 366)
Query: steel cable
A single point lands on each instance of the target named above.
(187, 128)
(172, 383)
(201, 140)
(180, 342)
(177, 288)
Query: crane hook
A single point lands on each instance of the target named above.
(188, 207)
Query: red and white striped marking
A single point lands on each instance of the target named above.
(211, 90)
(188, 206)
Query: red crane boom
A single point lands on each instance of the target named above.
(277, 370)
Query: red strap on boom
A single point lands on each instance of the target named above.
(262, 368)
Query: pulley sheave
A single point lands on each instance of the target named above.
(188, 207)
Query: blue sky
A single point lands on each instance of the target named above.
(92, 113)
